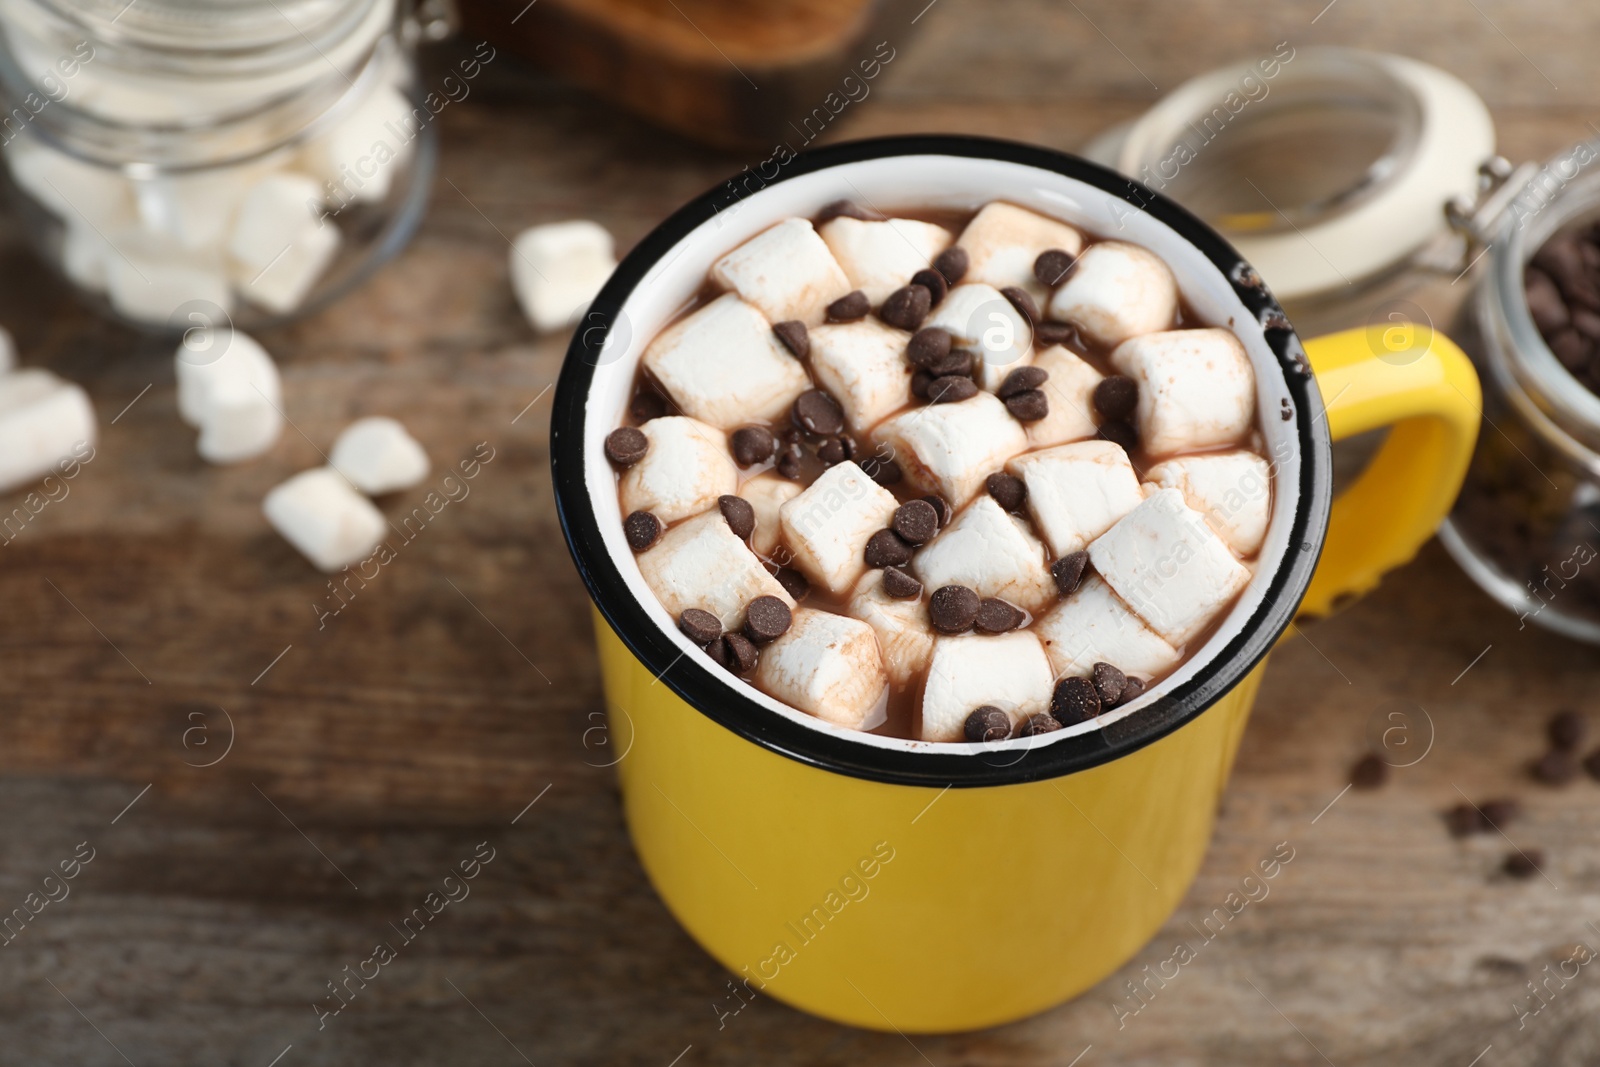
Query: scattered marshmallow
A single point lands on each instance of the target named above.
(1003, 240)
(684, 471)
(701, 563)
(1095, 626)
(880, 257)
(229, 389)
(724, 366)
(985, 323)
(323, 516)
(378, 456)
(864, 367)
(1233, 490)
(43, 419)
(557, 270)
(1070, 391)
(826, 665)
(1196, 388)
(786, 271)
(1077, 491)
(991, 552)
(1169, 566)
(1117, 291)
(1009, 671)
(827, 526)
(767, 493)
(904, 635)
(280, 245)
(950, 449)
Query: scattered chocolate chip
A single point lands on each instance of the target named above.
(817, 412)
(1591, 764)
(699, 626)
(951, 389)
(626, 446)
(1109, 682)
(641, 529)
(794, 336)
(988, 723)
(907, 307)
(794, 583)
(788, 464)
(928, 346)
(1030, 406)
(766, 618)
(1051, 268)
(1566, 730)
(1008, 490)
(952, 263)
(885, 549)
(915, 521)
(995, 616)
(1038, 724)
(848, 443)
(1497, 814)
(1132, 691)
(752, 445)
(1369, 772)
(921, 381)
(1463, 820)
(740, 515)
(900, 585)
(850, 307)
(738, 654)
(932, 281)
(1074, 700)
(1068, 572)
(847, 208)
(942, 508)
(831, 451)
(648, 404)
(1119, 433)
(1554, 768)
(953, 609)
(1021, 380)
(957, 362)
(1524, 863)
(1116, 397)
(1052, 333)
(1022, 300)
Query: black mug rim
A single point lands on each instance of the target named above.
(710, 692)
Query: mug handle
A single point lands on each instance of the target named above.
(1415, 380)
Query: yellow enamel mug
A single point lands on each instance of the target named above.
(895, 884)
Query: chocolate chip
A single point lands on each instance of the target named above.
(988, 723)
(648, 404)
(1030, 406)
(847, 208)
(1119, 433)
(817, 412)
(794, 336)
(849, 307)
(794, 583)
(1566, 730)
(1132, 691)
(1369, 772)
(700, 626)
(906, 308)
(766, 618)
(952, 263)
(928, 346)
(740, 515)
(957, 362)
(1496, 814)
(995, 616)
(885, 549)
(1021, 380)
(1051, 268)
(900, 585)
(1524, 863)
(883, 471)
(1463, 820)
(1022, 300)
(831, 451)
(1572, 348)
(915, 521)
(932, 281)
(920, 382)
(848, 443)
(1052, 333)
(626, 446)
(1586, 322)
(737, 653)
(1068, 572)
(1008, 491)
(1074, 700)
(951, 389)
(1549, 310)
(788, 464)
(752, 445)
(942, 508)
(1591, 764)
(641, 529)
(1554, 768)
(1109, 682)
(1038, 724)
(953, 609)
(1116, 397)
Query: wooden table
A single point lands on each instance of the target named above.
(153, 610)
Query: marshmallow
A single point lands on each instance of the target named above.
(904, 636)
(149, 278)
(786, 271)
(72, 190)
(827, 525)
(767, 493)
(378, 456)
(723, 365)
(1117, 291)
(1095, 626)
(701, 563)
(950, 449)
(826, 665)
(359, 157)
(278, 246)
(985, 323)
(195, 210)
(228, 387)
(323, 516)
(684, 471)
(1077, 491)
(1196, 388)
(1009, 671)
(880, 257)
(1070, 392)
(1233, 490)
(557, 269)
(863, 366)
(1169, 566)
(1003, 240)
(990, 552)
(44, 421)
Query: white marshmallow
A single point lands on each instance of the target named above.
(701, 563)
(827, 525)
(863, 366)
(1003, 240)
(950, 449)
(1009, 671)
(228, 387)
(1169, 566)
(1117, 291)
(557, 269)
(323, 516)
(826, 665)
(904, 636)
(1095, 626)
(767, 493)
(881, 256)
(1070, 393)
(1233, 490)
(685, 469)
(787, 272)
(194, 210)
(991, 552)
(986, 324)
(378, 456)
(72, 190)
(723, 365)
(279, 246)
(1196, 388)
(44, 421)
(148, 286)
(1077, 491)
(360, 156)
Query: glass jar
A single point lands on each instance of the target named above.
(244, 161)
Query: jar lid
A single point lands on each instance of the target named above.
(1323, 166)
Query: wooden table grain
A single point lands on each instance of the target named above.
(266, 791)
